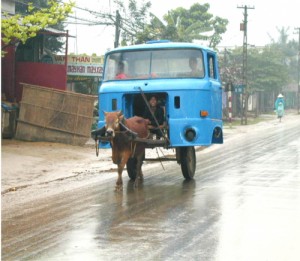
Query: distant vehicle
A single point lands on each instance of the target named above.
(186, 80)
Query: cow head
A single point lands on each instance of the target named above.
(112, 122)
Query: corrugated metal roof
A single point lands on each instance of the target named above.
(53, 31)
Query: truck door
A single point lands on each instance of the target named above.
(216, 89)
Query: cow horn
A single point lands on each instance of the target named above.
(120, 113)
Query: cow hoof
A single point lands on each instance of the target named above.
(118, 188)
(136, 183)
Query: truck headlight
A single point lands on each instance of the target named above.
(190, 134)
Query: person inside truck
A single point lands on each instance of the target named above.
(195, 71)
(158, 112)
(121, 71)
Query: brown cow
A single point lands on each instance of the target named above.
(123, 146)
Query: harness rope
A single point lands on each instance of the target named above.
(132, 144)
(133, 151)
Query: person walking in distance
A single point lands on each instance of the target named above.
(279, 106)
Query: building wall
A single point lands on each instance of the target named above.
(42, 74)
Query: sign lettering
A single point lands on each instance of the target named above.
(82, 65)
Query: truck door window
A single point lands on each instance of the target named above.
(211, 66)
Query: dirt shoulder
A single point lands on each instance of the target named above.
(27, 163)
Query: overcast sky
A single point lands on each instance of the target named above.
(262, 21)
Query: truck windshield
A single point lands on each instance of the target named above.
(161, 63)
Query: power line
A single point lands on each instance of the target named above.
(88, 21)
(98, 14)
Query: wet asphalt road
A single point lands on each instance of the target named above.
(244, 204)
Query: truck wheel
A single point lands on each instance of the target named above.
(188, 162)
(131, 168)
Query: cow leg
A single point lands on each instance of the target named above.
(119, 183)
(139, 168)
(121, 165)
(139, 172)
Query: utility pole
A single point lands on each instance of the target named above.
(245, 94)
(298, 75)
(117, 31)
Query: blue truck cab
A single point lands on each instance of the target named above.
(185, 78)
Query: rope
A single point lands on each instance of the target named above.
(133, 150)
(159, 157)
(97, 147)
(127, 129)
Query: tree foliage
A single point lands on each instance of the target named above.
(289, 50)
(270, 68)
(50, 42)
(266, 68)
(186, 25)
(19, 28)
(180, 24)
(133, 19)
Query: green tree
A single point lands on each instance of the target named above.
(230, 63)
(51, 43)
(87, 86)
(20, 28)
(289, 50)
(186, 25)
(266, 69)
(133, 20)
(182, 25)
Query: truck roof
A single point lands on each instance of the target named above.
(161, 44)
